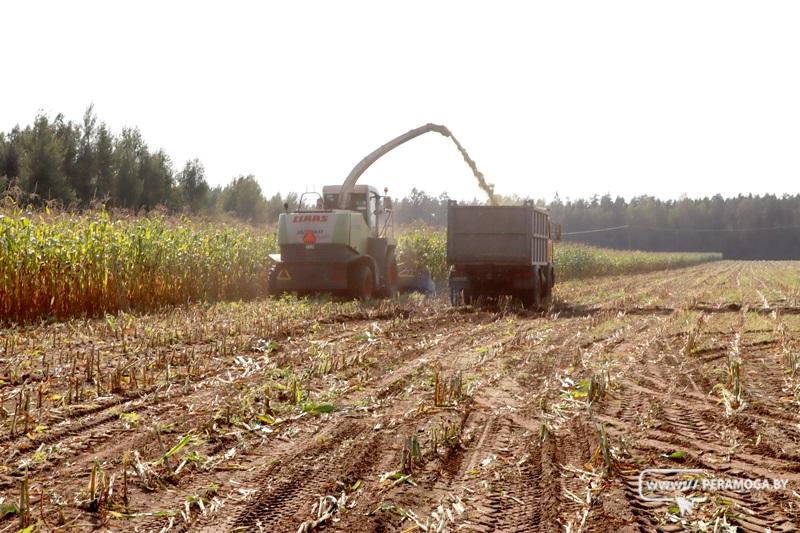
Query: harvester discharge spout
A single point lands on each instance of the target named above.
(364, 164)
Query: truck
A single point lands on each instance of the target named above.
(500, 250)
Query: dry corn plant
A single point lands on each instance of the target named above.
(693, 335)
(790, 355)
(447, 435)
(447, 391)
(411, 455)
(732, 393)
(24, 508)
(98, 497)
(597, 388)
(609, 466)
(326, 508)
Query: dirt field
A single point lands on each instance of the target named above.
(241, 417)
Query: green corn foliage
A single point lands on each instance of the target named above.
(422, 247)
(577, 261)
(63, 265)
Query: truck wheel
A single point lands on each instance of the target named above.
(546, 301)
(529, 298)
(361, 282)
(460, 296)
(390, 277)
(532, 298)
(469, 297)
(547, 288)
(455, 297)
(460, 293)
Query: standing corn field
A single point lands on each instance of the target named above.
(424, 248)
(59, 265)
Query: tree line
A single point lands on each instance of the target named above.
(742, 227)
(84, 163)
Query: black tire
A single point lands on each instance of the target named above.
(532, 298)
(455, 297)
(460, 296)
(390, 276)
(547, 288)
(361, 282)
(460, 292)
(272, 283)
(469, 296)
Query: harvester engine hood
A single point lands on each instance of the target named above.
(309, 228)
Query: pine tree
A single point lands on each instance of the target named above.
(42, 163)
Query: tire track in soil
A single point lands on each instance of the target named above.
(91, 435)
(433, 480)
(441, 476)
(383, 387)
(688, 426)
(438, 478)
(529, 484)
(287, 493)
(529, 480)
(101, 425)
(521, 492)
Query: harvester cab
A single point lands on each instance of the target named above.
(346, 250)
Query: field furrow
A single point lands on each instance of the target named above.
(280, 414)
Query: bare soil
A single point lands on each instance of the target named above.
(411, 415)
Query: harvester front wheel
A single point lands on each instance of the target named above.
(272, 282)
(390, 277)
(361, 285)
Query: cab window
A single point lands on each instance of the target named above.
(374, 209)
(331, 201)
(358, 202)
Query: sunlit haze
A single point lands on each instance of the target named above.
(574, 98)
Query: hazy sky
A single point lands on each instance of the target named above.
(661, 98)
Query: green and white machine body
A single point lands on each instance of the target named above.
(346, 243)
(329, 249)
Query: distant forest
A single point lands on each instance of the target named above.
(84, 164)
(744, 227)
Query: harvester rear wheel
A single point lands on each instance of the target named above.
(361, 285)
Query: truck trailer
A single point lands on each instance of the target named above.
(500, 250)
